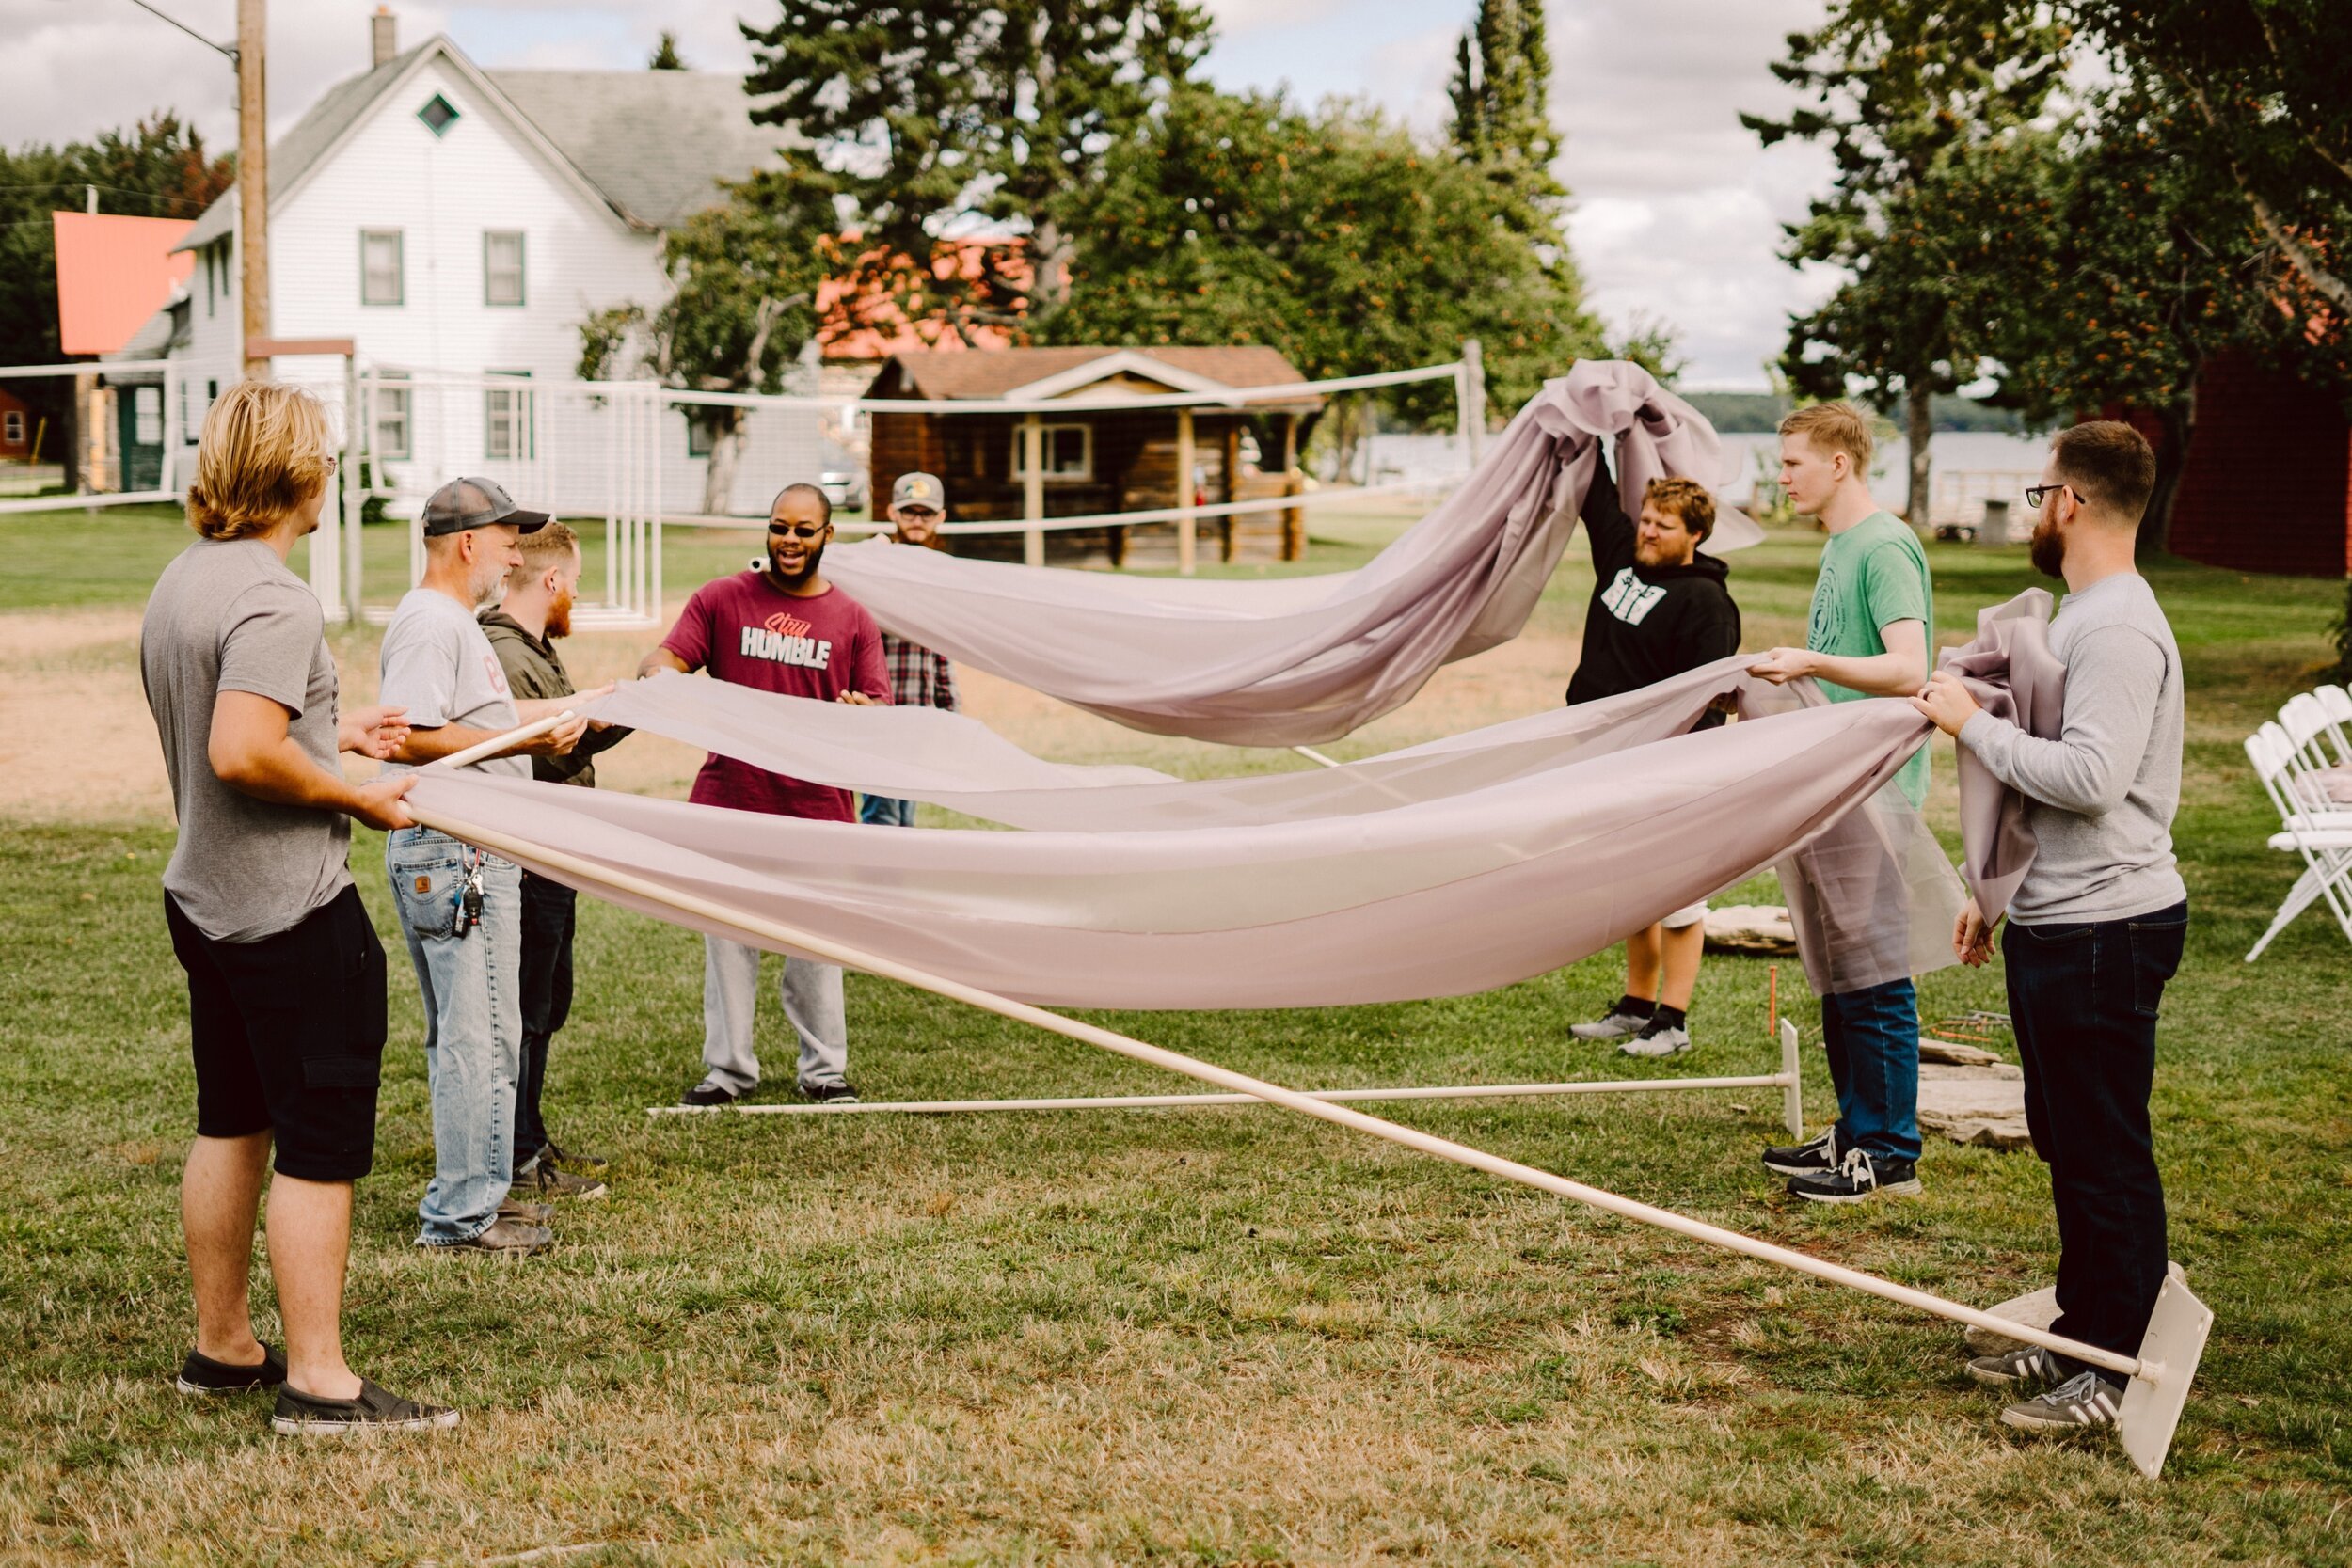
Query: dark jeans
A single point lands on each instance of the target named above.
(885, 811)
(2083, 1000)
(1872, 1038)
(546, 988)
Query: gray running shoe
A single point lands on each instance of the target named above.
(375, 1410)
(2082, 1404)
(2021, 1372)
(1616, 1026)
(1658, 1040)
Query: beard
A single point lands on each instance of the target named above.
(808, 565)
(2048, 552)
(559, 616)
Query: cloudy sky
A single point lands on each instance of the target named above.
(1677, 209)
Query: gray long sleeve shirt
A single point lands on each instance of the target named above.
(2100, 799)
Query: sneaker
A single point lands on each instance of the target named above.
(1863, 1175)
(2083, 1402)
(1808, 1158)
(830, 1094)
(1658, 1040)
(1615, 1026)
(553, 1184)
(708, 1096)
(200, 1374)
(552, 1154)
(2021, 1372)
(299, 1415)
(526, 1213)
(502, 1235)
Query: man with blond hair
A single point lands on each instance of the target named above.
(286, 1000)
(533, 612)
(460, 906)
(1659, 608)
(1873, 610)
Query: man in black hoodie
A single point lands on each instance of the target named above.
(1659, 608)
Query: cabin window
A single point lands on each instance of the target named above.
(1068, 451)
(147, 415)
(502, 267)
(381, 278)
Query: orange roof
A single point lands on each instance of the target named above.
(113, 273)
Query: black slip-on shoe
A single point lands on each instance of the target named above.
(830, 1094)
(708, 1096)
(200, 1374)
(299, 1415)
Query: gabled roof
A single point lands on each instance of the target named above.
(652, 145)
(1056, 373)
(112, 274)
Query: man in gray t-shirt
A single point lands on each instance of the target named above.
(2097, 927)
(460, 908)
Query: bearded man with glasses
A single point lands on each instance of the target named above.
(779, 626)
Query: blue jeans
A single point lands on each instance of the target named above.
(2083, 998)
(1872, 1038)
(884, 812)
(471, 985)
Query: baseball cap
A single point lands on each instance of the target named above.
(922, 490)
(464, 504)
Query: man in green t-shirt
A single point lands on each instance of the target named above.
(1873, 609)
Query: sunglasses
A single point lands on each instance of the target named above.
(2034, 493)
(798, 530)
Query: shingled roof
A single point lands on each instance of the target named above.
(654, 144)
(988, 374)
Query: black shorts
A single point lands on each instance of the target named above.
(288, 1036)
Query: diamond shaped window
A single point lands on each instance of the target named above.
(437, 114)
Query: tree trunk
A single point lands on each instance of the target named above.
(726, 450)
(1919, 430)
(2155, 526)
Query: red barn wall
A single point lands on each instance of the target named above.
(2267, 483)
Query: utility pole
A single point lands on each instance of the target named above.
(253, 177)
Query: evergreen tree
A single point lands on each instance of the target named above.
(665, 54)
(1502, 128)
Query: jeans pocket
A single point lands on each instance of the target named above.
(2156, 946)
(428, 879)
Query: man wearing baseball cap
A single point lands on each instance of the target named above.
(460, 908)
(918, 677)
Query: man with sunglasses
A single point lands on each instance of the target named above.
(918, 676)
(780, 628)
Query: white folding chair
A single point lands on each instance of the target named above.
(2322, 837)
(2336, 703)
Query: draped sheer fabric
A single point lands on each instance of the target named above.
(1296, 661)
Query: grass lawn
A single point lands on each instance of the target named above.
(1213, 1336)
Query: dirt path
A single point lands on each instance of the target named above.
(76, 743)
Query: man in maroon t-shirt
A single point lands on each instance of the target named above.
(780, 628)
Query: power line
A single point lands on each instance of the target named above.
(110, 190)
(228, 50)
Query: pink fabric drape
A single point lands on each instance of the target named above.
(2012, 671)
(1292, 661)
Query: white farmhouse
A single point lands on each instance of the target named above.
(458, 224)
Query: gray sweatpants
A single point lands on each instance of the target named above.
(811, 993)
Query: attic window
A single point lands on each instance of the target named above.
(438, 115)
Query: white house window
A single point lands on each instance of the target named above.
(697, 437)
(1069, 452)
(147, 415)
(12, 428)
(506, 419)
(502, 267)
(391, 416)
(439, 114)
(188, 432)
(381, 279)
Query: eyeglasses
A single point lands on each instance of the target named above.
(923, 511)
(2034, 493)
(798, 530)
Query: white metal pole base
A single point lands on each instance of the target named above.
(2169, 1355)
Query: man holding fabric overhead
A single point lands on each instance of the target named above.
(778, 628)
(1867, 637)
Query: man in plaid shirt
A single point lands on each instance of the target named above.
(918, 677)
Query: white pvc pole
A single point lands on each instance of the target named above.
(1173, 1102)
(829, 951)
(498, 745)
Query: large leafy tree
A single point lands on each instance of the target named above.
(955, 135)
(745, 278)
(1333, 236)
(1895, 89)
(158, 169)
